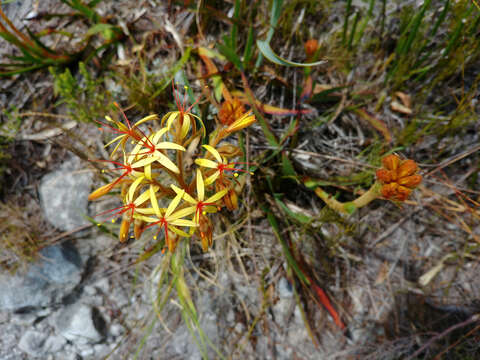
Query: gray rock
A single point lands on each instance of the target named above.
(63, 195)
(81, 324)
(33, 343)
(284, 288)
(57, 271)
(55, 343)
(39, 344)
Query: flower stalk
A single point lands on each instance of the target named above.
(395, 181)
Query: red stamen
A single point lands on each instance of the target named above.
(123, 113)
(200, 206)
(226, 167)
(162, 222)
(123, 209)
(180, 105)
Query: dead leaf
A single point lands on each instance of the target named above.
(404, 98)
(405, 104)
(382, 274)
(397, 107)
(46, 134)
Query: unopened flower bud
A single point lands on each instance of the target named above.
(102, 190)
(398, 178)
(407, 168)
(138, 227)
(311, 47)
(124, 229)
(229, 150)
(391, 162)
(410, 181)
(205, 228)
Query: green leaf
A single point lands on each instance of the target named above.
(236, 18)
(106, 30)
(274, 16)
(301, 218)
(230, 54)
(287, 167)
(267, 51)
(247, 54)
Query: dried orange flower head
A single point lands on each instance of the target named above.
(230, 111)
(311, 47)
(398, 177)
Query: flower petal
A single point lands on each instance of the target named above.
(178, 231)
(145, 119)
(171, 118)
(154, 201)
(206, 163)
(133, 188)
(145, 211)
(185, 126)
(115, 140)
(216, 196)
(157, 135)
(174, 203)
(145, 161)
(183, 222)
(166, 162)
(200, 186)
(182, 213)
(146, 218)
(246, 120)
(214, 152)
(211, 179)
(166, 145)
(144, 197)
(186, 196)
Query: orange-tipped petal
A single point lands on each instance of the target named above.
(391, 162)
(410, 181)
(102, 190)
(407, 168)
(246, 120)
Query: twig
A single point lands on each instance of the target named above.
(454, 159)
(472, 319)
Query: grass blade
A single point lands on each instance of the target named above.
(274, 16)
(267, 51)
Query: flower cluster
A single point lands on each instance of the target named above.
(398, 177)
(159, 186)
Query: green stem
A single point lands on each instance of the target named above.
(351, 206)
